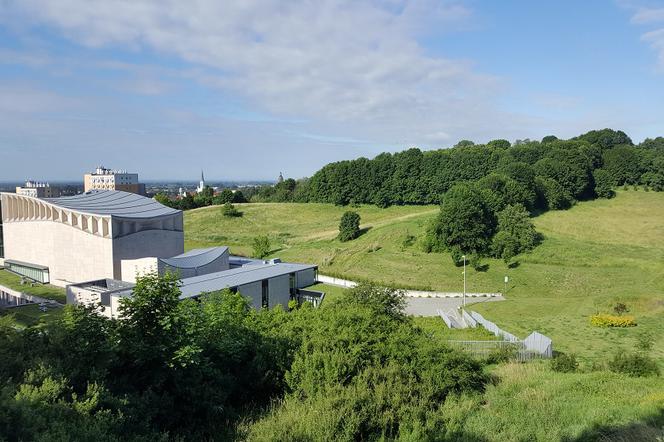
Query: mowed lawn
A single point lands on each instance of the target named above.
(594, 255)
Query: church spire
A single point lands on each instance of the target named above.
(201, 184)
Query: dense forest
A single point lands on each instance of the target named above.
(558, 172)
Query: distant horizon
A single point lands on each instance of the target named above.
(285, 175)
(147, 181)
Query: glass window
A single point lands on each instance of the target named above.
(265, 294)
(293, 285)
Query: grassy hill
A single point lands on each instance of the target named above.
(594, 255)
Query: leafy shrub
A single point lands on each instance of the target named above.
(634, 364)
(408, 241)
(605, 320)
(262, 246)
(363, 371)
(620, 309)
(349, 227)
(230, 211)
(564, 363)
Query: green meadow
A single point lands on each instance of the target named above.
(594, 255)
(530, 402)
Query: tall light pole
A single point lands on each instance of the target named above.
(464, 281)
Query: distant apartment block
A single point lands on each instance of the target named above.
(38, 189)
(108, 179)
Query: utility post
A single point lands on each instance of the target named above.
(464, 282)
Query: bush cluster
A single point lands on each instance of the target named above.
(229, 210)
(634, 364)
(606, 320)
(564, 363)
(356, 369)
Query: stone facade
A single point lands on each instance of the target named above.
(82, 247)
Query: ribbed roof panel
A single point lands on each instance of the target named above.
(114, 203)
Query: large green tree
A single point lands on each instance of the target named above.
(516, 233)
(465, 224)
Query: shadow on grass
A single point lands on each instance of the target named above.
(651, 428)
(363, 231)
(482, 268)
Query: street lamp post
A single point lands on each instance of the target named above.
(464, 281)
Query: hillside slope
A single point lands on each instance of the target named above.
(594, 255)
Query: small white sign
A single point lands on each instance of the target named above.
(507, 280)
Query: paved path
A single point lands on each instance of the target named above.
(409, 293)
(428, 306)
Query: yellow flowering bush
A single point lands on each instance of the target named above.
(606, 320)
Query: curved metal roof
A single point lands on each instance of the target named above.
(195, 258)
(114, 203)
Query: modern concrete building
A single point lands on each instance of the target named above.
(107, 179)
(104, 294)
(38, 189)
(193, 263)
(85, 237)
(266, 283)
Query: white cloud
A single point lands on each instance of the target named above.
(656, 41)
(655, 38)
(335, 61)
(648, 15)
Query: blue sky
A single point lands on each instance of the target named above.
(246, 89)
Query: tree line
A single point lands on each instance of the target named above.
(203, 199)
(556, 172)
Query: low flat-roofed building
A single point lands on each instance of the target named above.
(86, 237)
(104, 294)
(266, 284)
